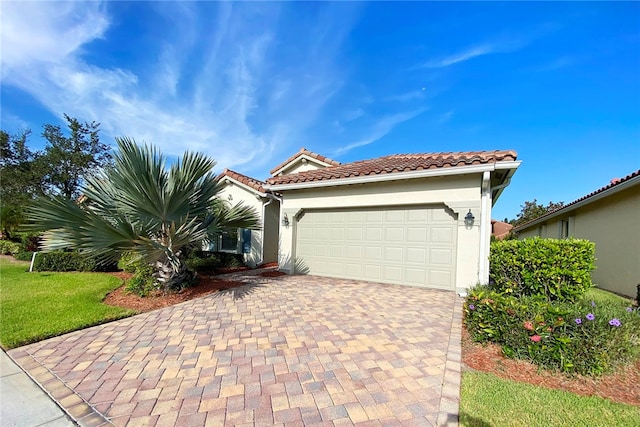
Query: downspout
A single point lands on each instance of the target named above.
(483, 267)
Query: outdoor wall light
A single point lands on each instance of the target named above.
(469, 218)
(285, 220)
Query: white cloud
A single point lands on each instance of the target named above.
(231, 102)
(460, 57)
(381, 128)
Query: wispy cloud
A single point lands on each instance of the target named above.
(231, 101)
(559, 63)
(381, 128)
(460, 56)
(408, 96)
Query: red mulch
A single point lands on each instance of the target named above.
(272, 274)
(622, 386)
(206, 285)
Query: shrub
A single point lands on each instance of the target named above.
(68, 261)
(7, 247)
(583, 337)
(23, 256)
(143, 281)
(30, 241)
(127, 262)
(555, 269)
(208, 262)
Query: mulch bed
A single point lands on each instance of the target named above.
(622, 386)
(206, 285)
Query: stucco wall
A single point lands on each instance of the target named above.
(458, 193)
(299, 166)
(612, 224)
(240, 194)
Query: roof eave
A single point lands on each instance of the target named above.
(573, 206)
(243, 185)
(456, 170)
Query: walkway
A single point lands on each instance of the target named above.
(293, 350)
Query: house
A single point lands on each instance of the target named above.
(414, 219)
(500, 229)
(610, 218)
(258, 246)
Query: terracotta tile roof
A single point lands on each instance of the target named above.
(397, 163)
(614, 183)
(248, 181)
(304, 151)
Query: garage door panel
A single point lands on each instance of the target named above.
(373, 234)
(393, 254)
(441, 235)
(406, 245)
(394, 234)
(417, 255)
(392, 274)
(417, 234)
(373, 253)
(440, 278)
(440, 256)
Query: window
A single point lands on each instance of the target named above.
(564, 228)
(229, 241)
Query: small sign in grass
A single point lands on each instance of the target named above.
(36, 306)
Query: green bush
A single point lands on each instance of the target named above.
(209, 262)
(555, 269)
(128, 262)
(30, 241)
(581, 337)
(68, 261)
(143, 281)
(7, 247)
(23, 256)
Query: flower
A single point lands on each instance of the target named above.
(535, 338)
(615, 322)
(472, 307)
(593, 304)
(590, 316)
(578, 321)
(528, 326)
(629, 309)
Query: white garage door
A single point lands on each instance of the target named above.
(406, 245)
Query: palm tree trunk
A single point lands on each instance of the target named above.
(171, 278)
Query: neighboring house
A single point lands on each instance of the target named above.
(609, 217)
(500, 229)
(414, 219)
(258, 246)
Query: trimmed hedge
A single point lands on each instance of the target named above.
(581, 337)
(556, 269)
(7, 247)
(69, 261)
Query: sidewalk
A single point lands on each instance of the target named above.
(23, 402)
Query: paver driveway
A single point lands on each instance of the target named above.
(294, 350)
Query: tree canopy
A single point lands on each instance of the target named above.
(532, 210)
(141, 206)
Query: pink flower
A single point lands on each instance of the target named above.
(536, 338)
(528, 326)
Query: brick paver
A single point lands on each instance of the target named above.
(293, 350)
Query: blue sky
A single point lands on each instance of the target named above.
(250, 83)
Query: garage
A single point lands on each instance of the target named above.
(411, 245)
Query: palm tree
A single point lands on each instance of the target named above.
(140, 206)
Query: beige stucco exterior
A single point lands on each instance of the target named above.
(458, 193)
(610, 222)
(264, 242)
(302, 164)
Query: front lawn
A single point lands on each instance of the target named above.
(35, 306)
(486, 400)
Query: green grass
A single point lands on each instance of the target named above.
(487, 400)
(35, 306)
(600, 295)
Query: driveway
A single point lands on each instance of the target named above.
(292, 351)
